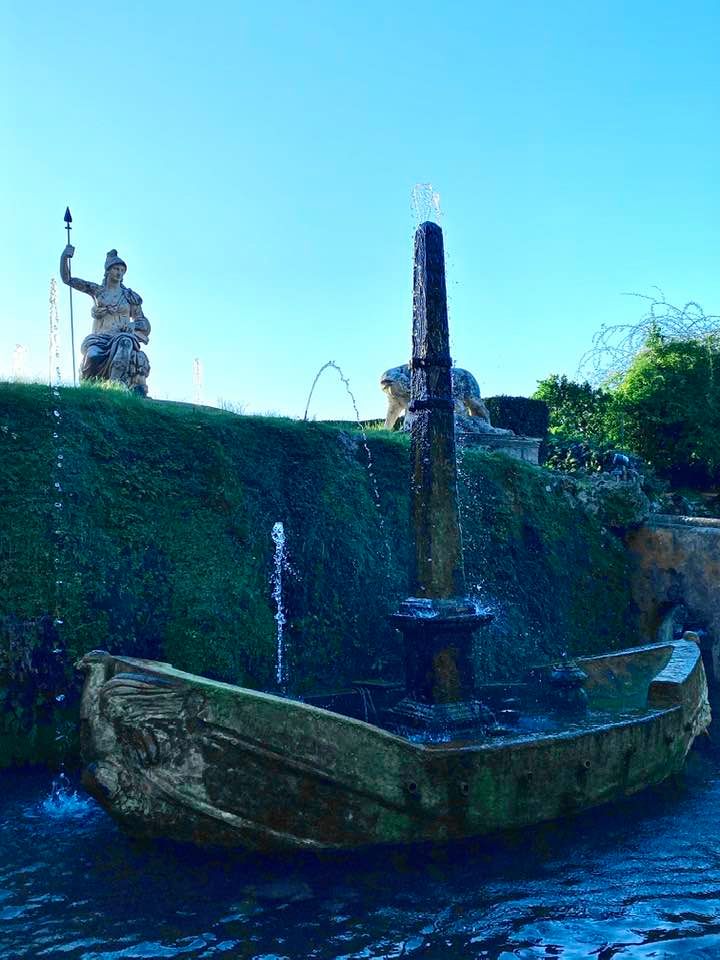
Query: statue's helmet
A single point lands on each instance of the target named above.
(112, 259)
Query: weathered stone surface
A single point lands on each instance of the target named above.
(677, 562)
(176, 755)
(618, 504)
(113, 350)
(519, 448)
(437, 621)
(470, 411)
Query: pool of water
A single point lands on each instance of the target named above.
(639, 879)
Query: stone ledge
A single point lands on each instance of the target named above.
(520, 448)
(677, 520)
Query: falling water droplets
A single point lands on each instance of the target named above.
(61, 798)
(280, 564)
(366, 447)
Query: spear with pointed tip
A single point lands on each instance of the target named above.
(68, 221)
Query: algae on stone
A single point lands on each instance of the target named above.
(166, 544)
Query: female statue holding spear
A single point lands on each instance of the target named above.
(113, 350)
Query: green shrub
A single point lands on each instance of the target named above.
(576, 410)
(572, 454)
(524, 416)
(667, 409)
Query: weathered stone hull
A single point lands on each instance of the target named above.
(175, 755)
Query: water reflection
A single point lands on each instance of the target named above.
(641, 879)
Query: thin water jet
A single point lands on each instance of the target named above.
(59, 527)
(276, 581)
(331, 365)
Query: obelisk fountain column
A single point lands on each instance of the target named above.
(438, 620)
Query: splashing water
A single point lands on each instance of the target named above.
(425, 204)
(636, 879)
(63, 802)
(276, 581)
(474, 539)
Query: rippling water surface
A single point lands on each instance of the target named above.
(640, 879)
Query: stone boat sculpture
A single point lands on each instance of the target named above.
(177, 755)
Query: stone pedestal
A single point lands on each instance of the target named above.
(440, 696)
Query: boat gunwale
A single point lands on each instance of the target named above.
(683, 653)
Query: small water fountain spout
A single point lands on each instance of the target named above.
(438, 620)
(566, 682)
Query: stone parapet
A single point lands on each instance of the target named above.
(520, 448)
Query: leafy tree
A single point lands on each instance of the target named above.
(615, 346)
(661, 403)
(667, 408)
(577, 410)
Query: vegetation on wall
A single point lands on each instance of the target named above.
(525, 416)
(575, 409)
(163, 548)
(579, 434)
(651, 391)
(554, 575)
(665, 409)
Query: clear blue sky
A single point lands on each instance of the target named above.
(253, 164)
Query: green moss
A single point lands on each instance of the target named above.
(164, 544)
(556, 579)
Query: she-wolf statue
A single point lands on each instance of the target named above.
(395, 384)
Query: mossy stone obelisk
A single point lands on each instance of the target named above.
(437, 621)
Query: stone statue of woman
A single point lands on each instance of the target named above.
(112, 351)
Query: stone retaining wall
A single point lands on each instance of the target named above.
(676, 561)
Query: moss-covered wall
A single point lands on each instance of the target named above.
(163, 548)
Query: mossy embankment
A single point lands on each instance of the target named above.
(158, 543)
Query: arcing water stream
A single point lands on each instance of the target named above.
(331, 365)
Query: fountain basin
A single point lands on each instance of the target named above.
(171, 754)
